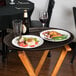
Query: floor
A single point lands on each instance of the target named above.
(14, 67)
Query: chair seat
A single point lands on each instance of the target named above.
(35, 23)
(73, 46)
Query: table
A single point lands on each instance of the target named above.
(10, 12)
(46, 47)
(7, 14)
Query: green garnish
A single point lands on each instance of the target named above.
(60, 37)
(25, 38)
(36, 39)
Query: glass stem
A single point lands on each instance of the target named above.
(43, 24)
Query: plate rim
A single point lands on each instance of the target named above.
(14, 39)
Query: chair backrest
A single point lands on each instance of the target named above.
(50, 8)
(37, 8)
(74, 13)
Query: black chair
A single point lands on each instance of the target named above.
(2, 31)
(6, 18)
(36, 23)
(73, 45)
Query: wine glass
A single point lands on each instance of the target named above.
(43, 17)
(12, 2)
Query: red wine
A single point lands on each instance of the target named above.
(2, 2)
(43, 20)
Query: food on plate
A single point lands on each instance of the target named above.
(28, 41)
(54, 35)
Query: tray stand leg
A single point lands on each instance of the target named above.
(27, 64)
(41, 62)
(60, 60)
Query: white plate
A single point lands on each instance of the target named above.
(57, 30)
(15, 41)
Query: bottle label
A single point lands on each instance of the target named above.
(25, 14)
(24, 29)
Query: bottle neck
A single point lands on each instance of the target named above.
(25, 14)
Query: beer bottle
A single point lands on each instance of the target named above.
(25, 26)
